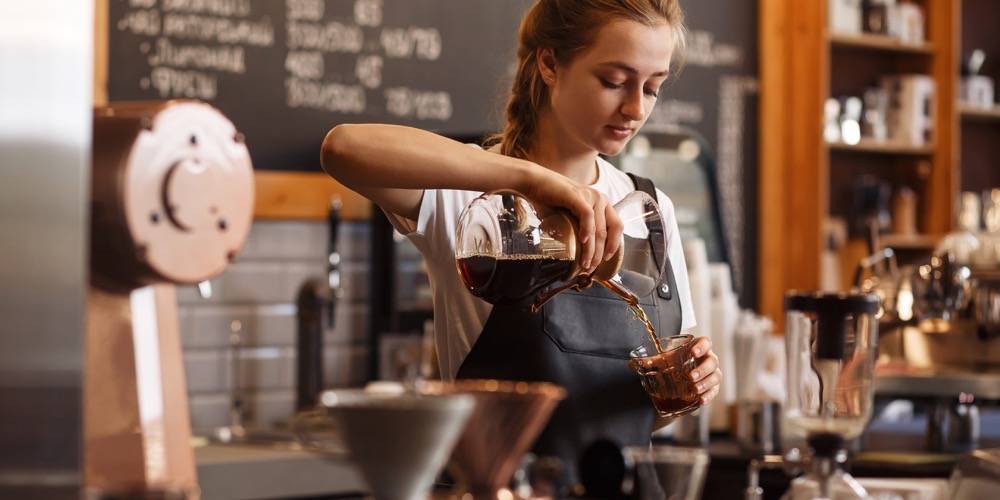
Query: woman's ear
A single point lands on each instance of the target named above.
(546, 60)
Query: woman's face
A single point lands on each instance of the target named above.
(605, 93)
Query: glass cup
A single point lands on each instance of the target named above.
(668, 472)
(666, 375)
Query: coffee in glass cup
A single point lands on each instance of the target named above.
(665, 375)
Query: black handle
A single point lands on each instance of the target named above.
(333, 220)
(313, 299)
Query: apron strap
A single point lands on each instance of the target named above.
(656, 238)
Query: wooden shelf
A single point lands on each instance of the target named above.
(882, 147)
(909, 242)
(304, 196)
(879, 43)
(976, 113)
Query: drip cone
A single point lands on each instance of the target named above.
(399, 442)
(506, 421)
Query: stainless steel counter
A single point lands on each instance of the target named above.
(231, 472)
(938, 382)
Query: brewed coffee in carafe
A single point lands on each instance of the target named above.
(495, 278)
(511, 250)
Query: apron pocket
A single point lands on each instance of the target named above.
(596, 322)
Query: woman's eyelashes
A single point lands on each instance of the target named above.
(610, 84)
(653, 92)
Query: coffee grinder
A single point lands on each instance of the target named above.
(831, 343)
(171, 203)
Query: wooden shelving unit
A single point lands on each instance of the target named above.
(804, 180)
(882, 147)
(979, 128)
(915, 242)
(879, 43)
(974, 113)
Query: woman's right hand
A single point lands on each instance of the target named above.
(600, 228)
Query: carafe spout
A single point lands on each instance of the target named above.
(580, 282)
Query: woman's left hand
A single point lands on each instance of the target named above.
(706, 375)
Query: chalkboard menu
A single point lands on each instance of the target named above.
(285, 71)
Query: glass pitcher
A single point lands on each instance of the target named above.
(509, 249)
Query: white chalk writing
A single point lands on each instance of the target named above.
(170, 82)
(400, 43)
(190, 46)
(141, 22)
(404, 102)
(226, 58)
(305, 10)
(368, 12)
(219, 29)
(305, 64)
(369, 71)
(704, 50)
(671, 112)
(226, 8)
(329, 37)
(734, 93)
(349, 99)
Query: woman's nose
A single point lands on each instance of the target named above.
(633, 108)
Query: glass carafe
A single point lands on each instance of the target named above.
(509, 249)
(831, 342)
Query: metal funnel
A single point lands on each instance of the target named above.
(399, 442)
(506, 421)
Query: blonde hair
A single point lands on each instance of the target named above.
(567, 27)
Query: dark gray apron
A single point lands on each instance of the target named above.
(580, 340)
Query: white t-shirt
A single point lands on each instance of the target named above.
(459, 316)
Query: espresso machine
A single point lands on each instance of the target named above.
(939, 345)
(171, 203)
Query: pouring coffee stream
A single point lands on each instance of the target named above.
(637, 310)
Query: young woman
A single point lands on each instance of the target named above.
(589, 73)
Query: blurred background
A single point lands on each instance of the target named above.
(828, 145)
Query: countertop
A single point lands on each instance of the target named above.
(259, 471)
(235, 471)
(727, 476)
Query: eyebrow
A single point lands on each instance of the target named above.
(629, 69)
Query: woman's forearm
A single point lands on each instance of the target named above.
(365, 157)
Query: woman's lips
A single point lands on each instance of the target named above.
(619, 132)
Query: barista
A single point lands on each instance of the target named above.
(588, 75)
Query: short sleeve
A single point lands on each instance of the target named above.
(675, 250)
(404, 225)
(433, 233)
